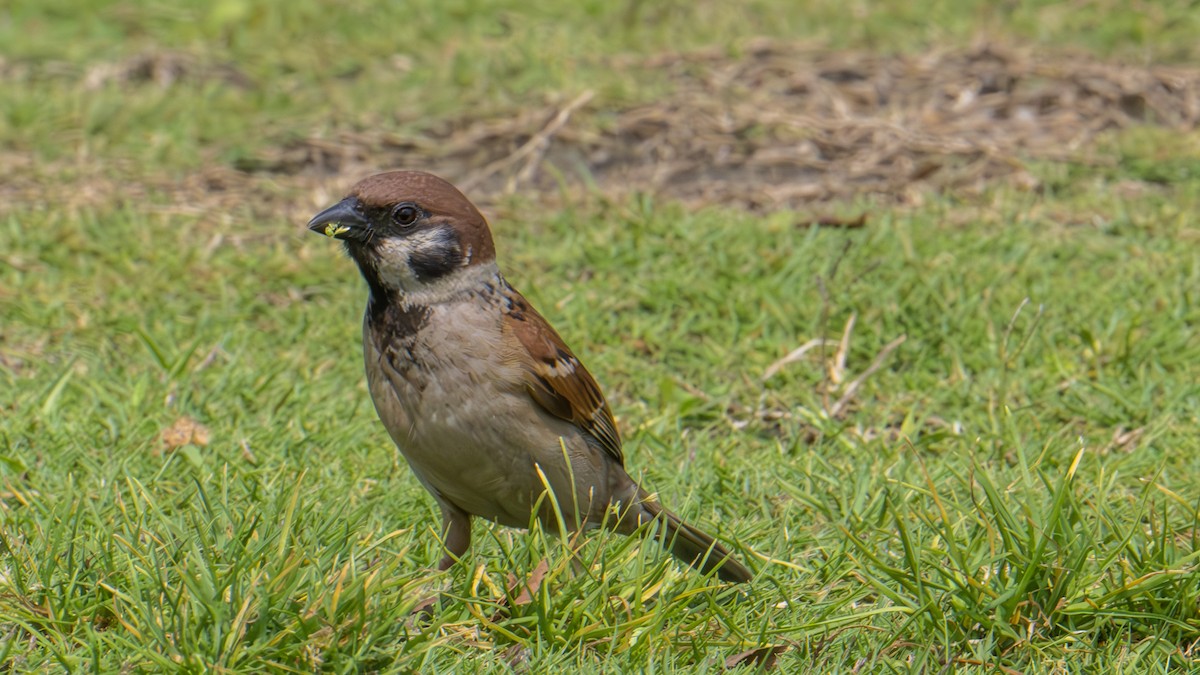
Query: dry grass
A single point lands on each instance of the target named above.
(781, 125)
(777, 125)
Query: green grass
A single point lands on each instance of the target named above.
(1015, 487)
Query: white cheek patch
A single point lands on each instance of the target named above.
(391, 261)
(393, 264)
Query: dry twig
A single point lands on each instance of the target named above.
(793, 356)
(852, 388)
(532, 150)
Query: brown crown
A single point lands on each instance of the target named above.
(442, 200)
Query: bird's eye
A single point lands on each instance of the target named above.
(405, 214)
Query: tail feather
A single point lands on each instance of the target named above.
(694, 547)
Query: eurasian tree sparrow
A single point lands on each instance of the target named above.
(484, 399)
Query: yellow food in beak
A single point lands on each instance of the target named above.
(334, 229)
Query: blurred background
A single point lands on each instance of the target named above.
(766, 104)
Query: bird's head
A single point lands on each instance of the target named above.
(409, 231)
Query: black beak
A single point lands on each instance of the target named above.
(344, 220)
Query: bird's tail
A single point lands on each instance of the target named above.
(693, 546)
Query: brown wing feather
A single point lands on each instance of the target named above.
(557, 380)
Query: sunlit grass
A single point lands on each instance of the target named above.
(1014, 486)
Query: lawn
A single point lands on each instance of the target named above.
(983, 462)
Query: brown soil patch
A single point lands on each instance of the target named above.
(776, 125)
(784, 125)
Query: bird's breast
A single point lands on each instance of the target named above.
(450, 398)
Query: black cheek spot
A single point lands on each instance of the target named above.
(437, 256)
(435, 263)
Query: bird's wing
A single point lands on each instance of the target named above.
(556, 379)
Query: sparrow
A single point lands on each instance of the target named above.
(493, 412)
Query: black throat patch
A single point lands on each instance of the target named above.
(391, 319)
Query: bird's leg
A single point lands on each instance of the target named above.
(456, 535)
